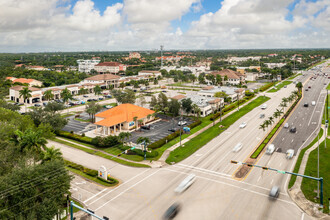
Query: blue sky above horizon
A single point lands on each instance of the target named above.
(74, 25)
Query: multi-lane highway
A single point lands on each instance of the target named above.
(147, 193)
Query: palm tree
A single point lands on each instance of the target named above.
(140, 122)
(135, 119)
(51, 154)
(295, 93)
(271, 120)
(266, 123)
(283, 105)
(48, 95)
(196, 109)
(122, 137)
(92, 108)
(30, 140)
(25, 93)
(97, 90)
(279, 112)
(66, 95)
(262, 126)
(146, 142)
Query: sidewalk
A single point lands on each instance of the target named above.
(168, 151)
(297, 195)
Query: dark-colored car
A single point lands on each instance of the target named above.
(85, 96)
(37, 105)
(172, 211)
(306, 89)
(309, 87)
(172, 129)
(293, 129)
(145, 127)
(108, 96)
(306, 105)
(101, 98)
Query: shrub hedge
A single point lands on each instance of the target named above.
(76, 137)
(265, 87)
(83, 169)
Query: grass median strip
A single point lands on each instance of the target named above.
(308, 186)
(300, 157)
(197, 142)
(98, 153)
(280, 86)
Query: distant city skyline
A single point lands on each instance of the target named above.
(132, 25)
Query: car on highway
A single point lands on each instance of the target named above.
(185, 184)
(286, 125)
(309, 87)
(172, 211)
(261, 115)
(180, 123)
(264, 106)
(289, 154)
(237, 147)
(243, 125)
(270, 149)
(313, 103)
(274, 192)
(293, 129)
(305, 104)
(306, 89)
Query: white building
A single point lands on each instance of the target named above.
(110, 67)
(251, 76)
(206, 104)
(87, 65)
(230, 91)
(149, 73)
(273, 65)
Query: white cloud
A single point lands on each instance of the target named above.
(55, 25)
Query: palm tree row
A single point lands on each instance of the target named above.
(279, 112)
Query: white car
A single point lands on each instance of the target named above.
(289, 153)
(182, 123)
(243, 125)
(313, 103)
(238, 147)
(264, 106)
(185, 183)
(286, 125)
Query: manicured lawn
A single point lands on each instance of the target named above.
(308, 186)
(67, 115)
(83, 120)
(328, 87)
(94, 179)
(90, 151)
(280, 86)
(197, 142)
(301, 155)
(292, 77)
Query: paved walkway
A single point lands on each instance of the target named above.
(297, 195)
(168, 151)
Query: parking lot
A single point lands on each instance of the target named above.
(78, 127)
(160, 129)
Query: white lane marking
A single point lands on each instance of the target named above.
(128, 189)
(314, 110)
(95, 195)
(83, 182)
(302, 216)
(242, 188)
(198, 155)
(201, 169)
(292, 141)
(259, 178)
(258, 138)
(282, 139)
(272, 182)
(280, 163)
(300, 125)
(119, 186)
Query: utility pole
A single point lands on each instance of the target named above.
(180, 126)
(161, 56)
(318, 164)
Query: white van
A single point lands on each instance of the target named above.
(270, 149)
(313, 103)
(289, 153)
(185, 183)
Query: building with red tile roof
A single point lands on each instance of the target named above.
(121, 118)
(30, 82)
(234, 78)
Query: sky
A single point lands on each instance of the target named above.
(132, 25)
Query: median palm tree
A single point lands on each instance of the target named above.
(266, 123)
(26, 94)
(48, 95)
(271, 120)
(262, 126)
(295, 93)
(51, 154)
(283, 105)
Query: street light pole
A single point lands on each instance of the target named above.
(180, 126)
(318, 165)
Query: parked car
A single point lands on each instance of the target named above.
(85, 96)
(172, 129)
(243, 125)
(286, 125)
(187, 182)
(180, 123)
(289, 154)
(108, 96)
(45, 103)
(37, 105)
(238, 147)
(145, 127)
(172, 211)
(101, 98)
(274, 192)
(108, 106)
(293, 129)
